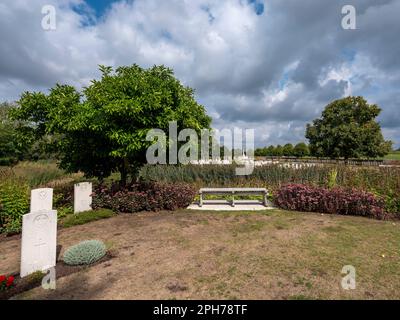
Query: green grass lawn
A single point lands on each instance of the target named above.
(85, 217)
(393, 156)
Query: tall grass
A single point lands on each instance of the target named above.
(35, 174)
(225, 175)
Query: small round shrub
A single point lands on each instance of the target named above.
(85, 253)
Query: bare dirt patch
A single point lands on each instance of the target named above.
(228, 255)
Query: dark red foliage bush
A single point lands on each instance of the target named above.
(343, 201)
(144, 196)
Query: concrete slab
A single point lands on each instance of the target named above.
(243, 206)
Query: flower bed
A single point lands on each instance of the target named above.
(337, 200)
(144, 196)
(6, 283)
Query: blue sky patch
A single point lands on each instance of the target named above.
(258, 6)
(100, 6)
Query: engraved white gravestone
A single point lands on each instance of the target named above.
(39, 241)
(41, 199)
(82, 197)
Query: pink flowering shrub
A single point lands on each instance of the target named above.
(144, 196)
(338, 200)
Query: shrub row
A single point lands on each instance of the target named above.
(143, 196)
(337, 200)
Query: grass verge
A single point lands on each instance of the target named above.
(85, 217)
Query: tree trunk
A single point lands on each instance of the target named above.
(124, 172)
(124, 177)
(135, 174)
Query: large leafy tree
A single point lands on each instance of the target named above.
(348, 129)
(103, 128)
(9, 151)
(15, 147)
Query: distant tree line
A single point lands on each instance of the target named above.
(288, 150)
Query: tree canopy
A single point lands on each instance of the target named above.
(9, 151)
(103, 128)
(287, 149)
(301, 150)
(348, 129)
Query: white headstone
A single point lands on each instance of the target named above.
(82, 197)
(39, 241)
(41, 199)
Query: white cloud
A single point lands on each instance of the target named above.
(274, 71)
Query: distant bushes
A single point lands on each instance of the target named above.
(63, 195)
(148, 196)
(335, 201)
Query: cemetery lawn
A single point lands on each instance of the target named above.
(228, 255)
(393, 156)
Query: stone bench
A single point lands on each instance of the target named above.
(232, 192)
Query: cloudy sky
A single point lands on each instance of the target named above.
(271, 65)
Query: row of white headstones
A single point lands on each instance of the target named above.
(39, 227)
